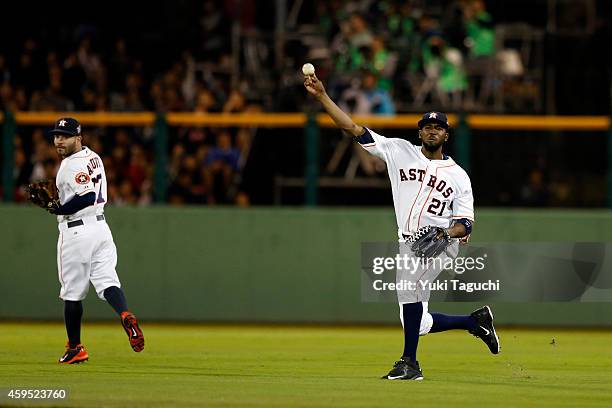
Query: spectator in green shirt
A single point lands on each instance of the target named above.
(480, 29)
(449, 63)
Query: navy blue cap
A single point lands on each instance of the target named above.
(434, 117)
(66, 126)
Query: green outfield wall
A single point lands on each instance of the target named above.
(263, 264)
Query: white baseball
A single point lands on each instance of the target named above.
(308, 69)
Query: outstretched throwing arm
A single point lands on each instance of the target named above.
(315, 87)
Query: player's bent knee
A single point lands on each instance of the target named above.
(426, 319)
(101, 290)
(426, 323)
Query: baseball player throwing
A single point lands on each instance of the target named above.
(433, 202)
(85, 248)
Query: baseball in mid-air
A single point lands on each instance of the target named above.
(308, 69)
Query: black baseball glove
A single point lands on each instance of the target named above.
(44, 195)
(429, 242)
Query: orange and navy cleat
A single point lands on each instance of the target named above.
(74, 355)
(130, 324)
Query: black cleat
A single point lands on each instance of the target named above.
(485, 330)
(405, 369)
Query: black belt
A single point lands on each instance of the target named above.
(80, 222)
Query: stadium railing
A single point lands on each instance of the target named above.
(310, 122)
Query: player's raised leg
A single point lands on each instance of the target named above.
(479, 324)
(105, 280)
(116, 298)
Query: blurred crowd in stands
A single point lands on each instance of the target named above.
(383, 54)
(397, 56)
(204, 165)
(378, 57)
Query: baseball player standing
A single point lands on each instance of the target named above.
(85, 248)
(429, 190)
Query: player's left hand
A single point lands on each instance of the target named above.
(44, 195)
(53, 206)
(430, 241)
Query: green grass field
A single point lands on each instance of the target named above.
(308, 366)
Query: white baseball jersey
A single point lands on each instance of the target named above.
(425, 192)
(81, 173)
(86, 251)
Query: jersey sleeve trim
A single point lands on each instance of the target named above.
(366, 139)
(469, 217)
(89, 190)
(467, 224)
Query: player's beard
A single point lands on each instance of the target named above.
(67, 149)
(432, 147)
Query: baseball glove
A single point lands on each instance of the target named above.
(429, 242)
(44, 195)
